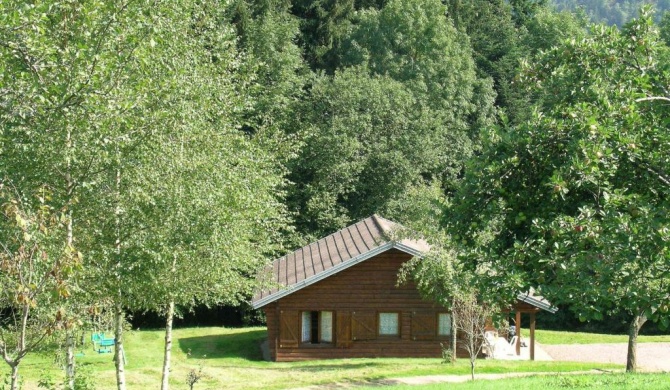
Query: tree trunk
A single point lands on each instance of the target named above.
(21, 348)
(454, 332)
(119, 355)
(168, 346)
(69, 337)
(635, 325)
(69, 364)
(15, 377)
(472, 369)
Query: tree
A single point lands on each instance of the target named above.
(193, 203)
(470, 318)
(401, 112)
(63, 67)
(575, 201)
(37, 270)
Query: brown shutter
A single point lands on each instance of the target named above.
(343, 324)
(364, 325)
(289, 328)
(424, 326)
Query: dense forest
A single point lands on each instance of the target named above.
(155, 155)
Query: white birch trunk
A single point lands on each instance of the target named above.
(165, 385)
(70, 364)
(119, 355)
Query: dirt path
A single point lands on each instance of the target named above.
(428, 379)
(650, 356)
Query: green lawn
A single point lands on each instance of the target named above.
(231, 359)
(560, 337)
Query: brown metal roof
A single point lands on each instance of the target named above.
(332, 254)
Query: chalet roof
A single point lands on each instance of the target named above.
(332, 254)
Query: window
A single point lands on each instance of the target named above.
(443, 324)
(317, 327)
(388, 324)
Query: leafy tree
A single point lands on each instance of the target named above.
(192, 202)
(497, 49)
(325, 25)
(272, 76)
(414, 43)
(63, 64)
(575, 201)
(37, 270)
(400, 113)
(548, 28)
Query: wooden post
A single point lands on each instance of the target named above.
(518, 332)
(532, 336)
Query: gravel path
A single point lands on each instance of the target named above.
(650, 356)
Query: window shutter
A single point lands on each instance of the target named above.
(343, 324)
(289, 328)
(364, 325)
(423, 326)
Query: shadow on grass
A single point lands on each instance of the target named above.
(246, 346)
(242, 345)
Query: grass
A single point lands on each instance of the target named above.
(231, 359)
(548, 382)
(560, 337)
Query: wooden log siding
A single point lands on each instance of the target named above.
(356, 296)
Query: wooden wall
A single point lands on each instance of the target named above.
(355, 295)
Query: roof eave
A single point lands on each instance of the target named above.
(541, 304)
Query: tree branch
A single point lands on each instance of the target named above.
(646, 99)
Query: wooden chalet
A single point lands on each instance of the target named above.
(338, 298)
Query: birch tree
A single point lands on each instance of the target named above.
(62, 65)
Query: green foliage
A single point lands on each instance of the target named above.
(36, 275)
(412, 42)
(394, 118)
(576, 200)
(448, 355)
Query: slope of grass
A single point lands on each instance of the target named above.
(562, 337)
(231, 359)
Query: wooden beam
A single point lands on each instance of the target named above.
(518, 333)
(532, 336)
